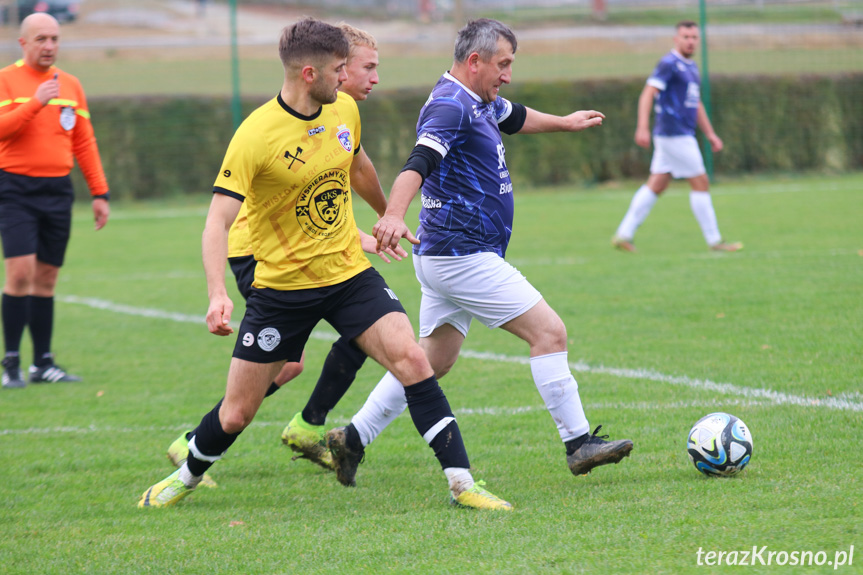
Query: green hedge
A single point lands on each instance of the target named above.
(163, 147)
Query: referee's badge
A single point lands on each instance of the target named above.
(67, 118)
(269, 338)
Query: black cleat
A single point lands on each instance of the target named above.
(596, 451)
(345, 459)
(12, 373)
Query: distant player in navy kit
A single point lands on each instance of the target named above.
(673, 91)
(466, 220)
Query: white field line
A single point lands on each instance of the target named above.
(843, 402)
(710, 404)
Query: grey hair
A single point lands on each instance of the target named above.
(481, 36)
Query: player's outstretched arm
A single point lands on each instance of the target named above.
(214, 250)
(539, 122)
(370, 246)
(391, 227)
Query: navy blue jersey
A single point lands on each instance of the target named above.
(467, 204)
(676, 105)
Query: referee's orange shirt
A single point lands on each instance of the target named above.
(43, 141)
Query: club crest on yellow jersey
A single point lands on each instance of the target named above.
(322, 205)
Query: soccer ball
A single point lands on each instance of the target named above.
(719, 444)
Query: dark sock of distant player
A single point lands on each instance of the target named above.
(573, 444)
(211, 440)
(340, 369)
(352, 438)
(16, 312)
(273, 389)
(428, 405)
(41, 328)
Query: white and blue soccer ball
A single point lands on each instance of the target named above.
(719, 444)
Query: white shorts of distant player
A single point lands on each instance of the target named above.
(482, 286)
(679, 156)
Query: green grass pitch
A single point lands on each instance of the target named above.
(657, 340)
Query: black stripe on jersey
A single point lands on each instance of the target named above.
(515, 121)
(226, 192)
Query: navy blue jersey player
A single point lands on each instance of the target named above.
(466, 220)
(673, 92)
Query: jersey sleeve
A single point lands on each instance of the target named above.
(661, 75)
(240, 164)
(442, 125)
(84, 146)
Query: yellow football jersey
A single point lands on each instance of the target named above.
(293, 174)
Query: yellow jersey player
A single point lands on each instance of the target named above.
(292, 161)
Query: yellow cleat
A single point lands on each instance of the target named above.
(478, 498)
(165, 493)
(727, 247)
(308, 441)
(178, 452)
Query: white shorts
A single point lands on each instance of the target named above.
(482, 286)
(678, 155)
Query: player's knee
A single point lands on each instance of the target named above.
(235, 420)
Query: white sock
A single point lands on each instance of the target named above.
(191, 481)
(559, 391)
(702, 207)
(639, 208)
(385, 403)
(459, 478)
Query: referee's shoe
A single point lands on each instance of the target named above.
(51, 373)
(12, 373)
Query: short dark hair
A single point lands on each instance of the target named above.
(309, 41)
(686, 24)
(481, 36)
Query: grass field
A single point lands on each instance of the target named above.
(657, 340)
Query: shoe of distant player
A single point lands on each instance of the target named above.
(623, 245)
(51, 373)
(724, 247)
(345, 459)
(12, 373)
(178, 452)
(596, 451)
(165, 493)
(479, 498)
(308, 441)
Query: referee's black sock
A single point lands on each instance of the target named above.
(41, 328)
(16, 312)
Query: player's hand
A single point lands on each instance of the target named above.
(642, 137)
(370, 246)
(584, 119)
(219, 315)
(48, 90)
(715, 143)
(101, 211)
(389, 230)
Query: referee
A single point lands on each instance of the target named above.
(44, 127)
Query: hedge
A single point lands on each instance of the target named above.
(161, 147)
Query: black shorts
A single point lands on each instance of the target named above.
(244, 272)
(278, 323)
(35, 216)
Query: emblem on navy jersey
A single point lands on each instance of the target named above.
(344, 136)
(67, 118)
(322, 207)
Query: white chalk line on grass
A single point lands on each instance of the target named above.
(844, 402)
(338, 421)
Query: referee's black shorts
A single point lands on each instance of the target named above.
(35, 216)
(278, 323)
